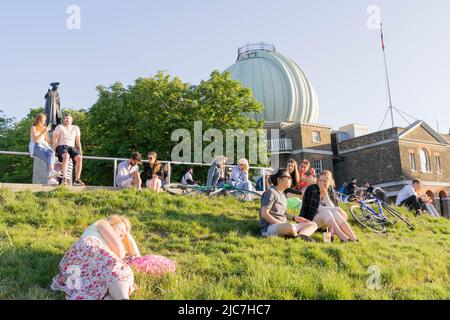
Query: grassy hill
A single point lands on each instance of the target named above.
(218, 250)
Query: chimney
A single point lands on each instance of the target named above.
(352, 131)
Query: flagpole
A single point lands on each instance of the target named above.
(387, 75)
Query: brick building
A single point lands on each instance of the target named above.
(392, 158)
(300, 141)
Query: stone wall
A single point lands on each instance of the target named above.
(379, 164)
(420, 134)
(433, 151)
(301, 136)
(375, 137)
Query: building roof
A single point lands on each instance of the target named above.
(278, 83)
(424, 125)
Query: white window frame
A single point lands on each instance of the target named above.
(316, 137)
(425, 164)
(412, 161)
(437, 163)
(318, 166)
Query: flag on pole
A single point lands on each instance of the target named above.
(382, 38)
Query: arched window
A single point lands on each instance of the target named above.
(425, 160)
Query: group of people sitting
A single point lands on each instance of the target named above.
(66, 145)
(154, 174)
(411, 197)
(239, 176)
(106, 251)
(320, 208)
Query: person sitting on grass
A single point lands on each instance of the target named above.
(128, 172)
(216, 172)
(292, 168)
(305, 180)
(312, 173)
(319, 207)
(40, 144)
(428, 202)
(95, 267)
(409, 197)
(273, 220)
(187, 178)
(152, 171)
(353, 189)
(239, 176)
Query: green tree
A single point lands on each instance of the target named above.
(16, 137)
(143, 116)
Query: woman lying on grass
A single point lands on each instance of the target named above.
(273, 220)
(94, 267)
(321, 206)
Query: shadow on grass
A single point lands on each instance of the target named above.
(27, 274)
(220, 224)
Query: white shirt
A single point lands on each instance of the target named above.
(124, 170)
(42, 142)
(405, 193)
(238, 175)
(186, 177)
(92, 231)
(67, 135)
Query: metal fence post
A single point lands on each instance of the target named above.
(169, 171)
(115, 170)
(115, 164)
(264, 179)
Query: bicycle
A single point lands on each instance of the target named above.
(210, 191)
(370, 214)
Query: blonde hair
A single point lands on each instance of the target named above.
(306, 163)
(116, 219)
(39, 118)
(152, 153)
(244, 162)
(329, 175)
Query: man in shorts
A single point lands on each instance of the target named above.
(128, 172)
(67, 144)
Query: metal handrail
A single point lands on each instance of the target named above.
(169, 163)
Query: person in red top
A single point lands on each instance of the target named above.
(305, 180)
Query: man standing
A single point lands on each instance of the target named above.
(128, 172)
(67, 144)
(409, 197)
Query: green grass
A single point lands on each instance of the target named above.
(218, 250)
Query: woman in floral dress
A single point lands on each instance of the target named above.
(95, 267)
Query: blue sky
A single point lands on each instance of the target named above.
(121, 41)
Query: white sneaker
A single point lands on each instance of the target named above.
(52, 182)
(53, 173)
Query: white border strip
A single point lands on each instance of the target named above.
(367, 146)
(406, 182)
(328, 153)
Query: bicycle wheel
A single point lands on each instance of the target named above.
(245, 195)
(397, 215)
(367, 219)
(181, 189)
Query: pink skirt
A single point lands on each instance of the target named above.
(88, 269)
